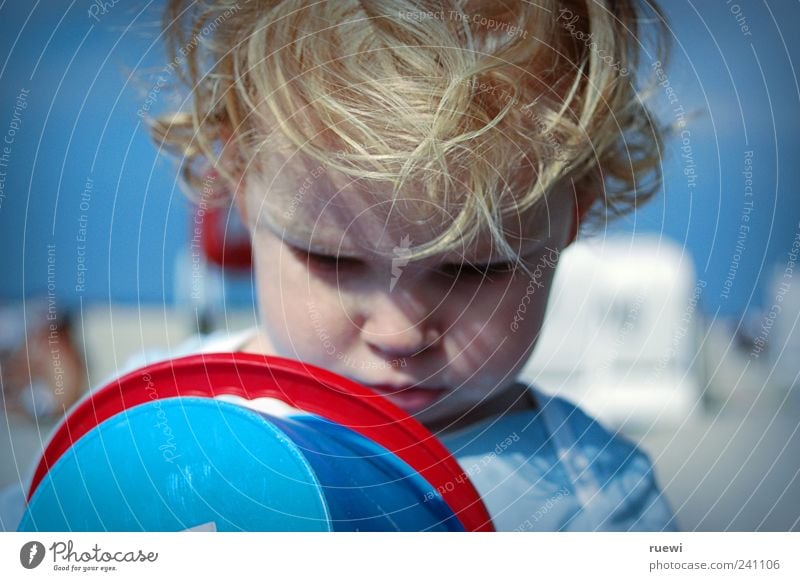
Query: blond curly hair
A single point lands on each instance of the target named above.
(479, 106)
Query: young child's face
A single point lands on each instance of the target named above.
(336, 289)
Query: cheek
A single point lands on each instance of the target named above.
(497, 305)
(527, 304)
(303, 316)
(506, 315)
(280, 310)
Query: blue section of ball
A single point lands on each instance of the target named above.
(181, 463)
(367, 487)
(174, 464)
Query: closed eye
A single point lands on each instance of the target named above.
(466, 269)
(325, 262)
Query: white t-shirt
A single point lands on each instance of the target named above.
(549, 469)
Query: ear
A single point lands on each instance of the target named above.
(583, 202)
(241, 207)
(229, 162)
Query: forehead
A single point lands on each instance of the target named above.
(309, 205)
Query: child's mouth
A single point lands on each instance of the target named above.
(411, 398)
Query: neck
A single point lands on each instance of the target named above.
(516, 398)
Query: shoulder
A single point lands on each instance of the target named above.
(574, 433)
(216, 342)
(557, 468)
(614, 481)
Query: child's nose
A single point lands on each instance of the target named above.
(397, 325)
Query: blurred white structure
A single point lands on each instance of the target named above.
(780, 328)
(620, 336)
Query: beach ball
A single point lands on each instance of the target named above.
(243, 442)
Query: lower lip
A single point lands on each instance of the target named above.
(412, 399)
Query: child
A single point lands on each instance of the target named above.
(410, 173)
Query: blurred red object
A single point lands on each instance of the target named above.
(225, 240)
